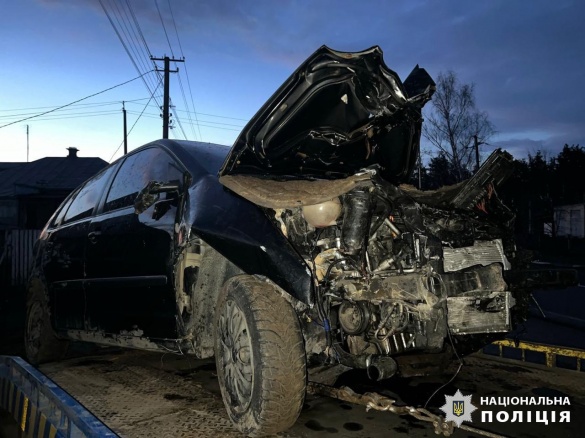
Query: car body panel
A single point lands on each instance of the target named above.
(113, 272)
(336, 114)
(127, 264)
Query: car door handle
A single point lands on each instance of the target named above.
(93, 236)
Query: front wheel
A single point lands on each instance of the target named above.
(260, 357)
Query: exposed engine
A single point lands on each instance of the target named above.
(397, 274)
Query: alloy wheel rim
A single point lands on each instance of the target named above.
(236, 356)
(33, 329)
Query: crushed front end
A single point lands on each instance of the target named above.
(400, 277)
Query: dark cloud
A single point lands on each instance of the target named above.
(526, 58)
(526, 62)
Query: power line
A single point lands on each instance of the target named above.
(79, 106)
(125, 30)
(113, 102)
(123, 20)
(134, 42)
(180, 126)
(124, 45)
(188, 81)
(201, 123)
(175, 25)
(137, 24)
(164, 27)
(74, 110)
(221, 117)
(144, 47)
(74, 102)
(186, 105)
(144, 43)
(135, 122)
(76, 116)
(205, 121)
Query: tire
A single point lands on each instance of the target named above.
(40, 343)
(260, 357)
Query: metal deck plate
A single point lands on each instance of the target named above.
(137, 398)
(141, 394)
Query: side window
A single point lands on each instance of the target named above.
(137, 171)
(62, 210)
(86, 199)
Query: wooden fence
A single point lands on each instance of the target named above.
(17, 253)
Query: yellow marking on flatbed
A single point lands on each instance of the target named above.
(550, 351)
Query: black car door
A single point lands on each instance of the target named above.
(64, 263)
(129, 253)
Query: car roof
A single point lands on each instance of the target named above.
(197, 156)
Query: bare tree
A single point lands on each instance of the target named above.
(454, 124)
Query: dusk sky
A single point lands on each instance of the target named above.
(526, 59)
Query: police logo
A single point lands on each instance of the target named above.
(458, 408)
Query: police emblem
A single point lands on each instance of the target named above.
(458, 408)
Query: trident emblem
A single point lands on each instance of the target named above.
(458, 408)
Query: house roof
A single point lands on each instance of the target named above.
(50, 174)
(10, 165)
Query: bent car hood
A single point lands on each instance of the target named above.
(336, 114)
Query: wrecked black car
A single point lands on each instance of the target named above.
(294, 255)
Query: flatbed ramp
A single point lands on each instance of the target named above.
(31, 405)
(141, 394)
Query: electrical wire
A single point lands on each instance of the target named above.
(173, 55)
(224, 117)
(77, 116)
(142, 55)
(186, 105)
(74, 102)
(152, 116)
(125, 46)
(180, 124)
(164, 27)
(202, 121)
(188, 80)
(72, 111)
(461, 363)
(124, 20)
(135, 122)
(141, 34)
(86, 105)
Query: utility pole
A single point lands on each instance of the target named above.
(166, 97)
(27, 143)
(419, 168)
(125, 132)
(476, 143)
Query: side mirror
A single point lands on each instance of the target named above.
(150, 194)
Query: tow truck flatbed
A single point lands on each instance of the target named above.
(142, 394)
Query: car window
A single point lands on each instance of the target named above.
(86, 199)
(137, 171)
(62, 210)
